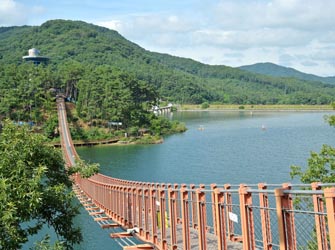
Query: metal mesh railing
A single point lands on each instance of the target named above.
(208, 217)
(188, 217)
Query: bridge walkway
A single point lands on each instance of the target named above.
(70, 155)
(162, 216)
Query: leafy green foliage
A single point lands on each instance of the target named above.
(34, 189)
(84, 169)
(161, 126)
(205, 105)
(45, 244)
(321, 166)
(26, 92)
(108, 94)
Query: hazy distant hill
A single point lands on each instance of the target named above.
(176, 79)
(272, 69)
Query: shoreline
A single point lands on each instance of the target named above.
(257, 110)
(249, 107)
(197, 108)
(111, 142)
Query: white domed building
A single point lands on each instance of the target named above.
(34, 57)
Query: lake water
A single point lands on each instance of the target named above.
(218, 147)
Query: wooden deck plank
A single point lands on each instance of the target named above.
(101, 218)
(121, 235)
(110, 225)
(139, 247)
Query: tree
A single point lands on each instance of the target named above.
(34, 189)
(321, 166)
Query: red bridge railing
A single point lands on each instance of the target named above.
(219, 217)
(180, 216)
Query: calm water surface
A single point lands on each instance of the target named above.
(231, 148)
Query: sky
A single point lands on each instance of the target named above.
(292, 33)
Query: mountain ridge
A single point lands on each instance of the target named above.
(176, 79)
(272, 69)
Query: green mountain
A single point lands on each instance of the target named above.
(78, 49)
(272, 69)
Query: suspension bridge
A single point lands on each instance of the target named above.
(143, 215)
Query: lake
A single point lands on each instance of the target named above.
(221, 147)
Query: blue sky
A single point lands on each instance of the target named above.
(292, 33)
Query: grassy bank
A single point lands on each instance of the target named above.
(199, 107)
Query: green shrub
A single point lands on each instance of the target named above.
(205, 105)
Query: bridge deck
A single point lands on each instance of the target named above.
(272, 218)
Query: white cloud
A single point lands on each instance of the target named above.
(11, 13)
(296, 33)
(111, 24)
(14, 13)
(299, 14)
(252, 38)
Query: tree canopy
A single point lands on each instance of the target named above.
(321, 166)
(34, 189)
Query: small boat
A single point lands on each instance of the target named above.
(263, 127)
(201, 127)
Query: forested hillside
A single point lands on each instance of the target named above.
(85, 58)
(272, 69)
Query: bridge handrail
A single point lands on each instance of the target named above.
(223, 215)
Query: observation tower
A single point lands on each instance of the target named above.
(34, 57)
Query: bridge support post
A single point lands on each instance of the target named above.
(118, 203)
(213, 187)
(153, 207)
(172, 201)
(114, 202)
(247, 220)
(129, 208)
(133, 209)
(265, 217)
(320, 222)
(220, 222)
(162, 218)
(286, 228)
(122, 205)
(140, 210)
(176, 186)
(146, 214)
(228, 200)
(202, 222)
(329, 194)
(185, 218)
(193, 207)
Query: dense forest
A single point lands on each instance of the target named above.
(101, 94)
(112, 79)
(175, 79)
